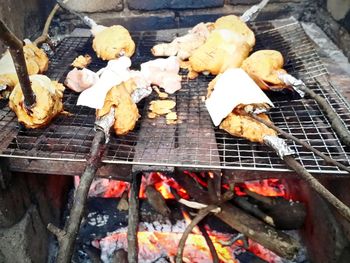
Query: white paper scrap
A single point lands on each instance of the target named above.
(116, 72)
(234, 87)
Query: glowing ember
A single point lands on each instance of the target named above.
(113, 189)
(162, 185)
(154, 245)
(267, 187)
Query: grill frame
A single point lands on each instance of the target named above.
(66, 134)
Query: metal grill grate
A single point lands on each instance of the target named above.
(194, 142)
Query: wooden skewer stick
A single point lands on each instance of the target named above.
(66, 237)
(133, 217)
(16, 50)
(343, 209)
(304, 144)
(336, 123)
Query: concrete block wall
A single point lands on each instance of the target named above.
(161, 14)
(25, 18)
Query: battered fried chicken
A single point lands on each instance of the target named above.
(222, 50)
(126, 112)
(246, 127)
(81, 61)
(36, 60)
(112, 42)
(264, 66)
(48, 104)
(236, 25)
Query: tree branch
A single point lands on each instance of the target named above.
(45, 34)
(16, 50)
(66, 237)
(133, 218)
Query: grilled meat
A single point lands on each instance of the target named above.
(246, 127)
(264, 66)
(36, 60)
(126, 112)
(223, 49)
(48, 104)
(113, 42)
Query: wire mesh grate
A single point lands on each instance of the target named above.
(194, 141)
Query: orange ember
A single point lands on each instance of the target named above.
(116, 189)
(162, 184)
(267, 187)
(154, 244)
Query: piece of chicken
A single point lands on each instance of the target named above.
(36, 60)
(163, 73)
(183, 46)
(126, 112)
(48, 104)
(80, 80)
(81, 61)
(246, 127)
(264, 66)
(236, 25)
(113, 42)
(222, 50)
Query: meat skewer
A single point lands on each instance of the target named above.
(109, 42)
(265, 67)
(240, 124)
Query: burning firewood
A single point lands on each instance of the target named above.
(123, 202)
(277, 241)
(120, 256)
(157, 201)
(285, 214)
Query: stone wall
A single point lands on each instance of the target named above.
(162, 14)
(25, 18)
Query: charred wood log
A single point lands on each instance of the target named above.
(157, 201)
(123, 204)
(120, 256)
(276, 241)
(254, 210)
(286, 215)
(210, 244)
(202, 214)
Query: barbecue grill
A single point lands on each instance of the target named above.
(194, 143)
